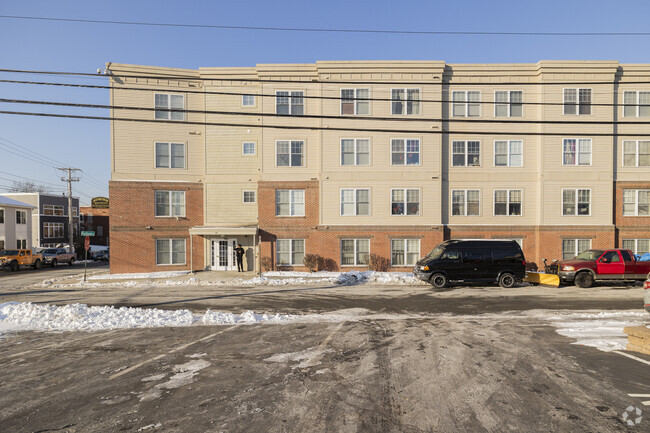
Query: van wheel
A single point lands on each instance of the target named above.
(507, 280)
(439, 281)
(37, 264)
(584, 280)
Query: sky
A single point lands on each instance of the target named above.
(34, 147)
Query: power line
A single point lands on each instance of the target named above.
(327, 30)
(322, 128)
(36, 155)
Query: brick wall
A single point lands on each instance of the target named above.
(134, 227)
(266, 205)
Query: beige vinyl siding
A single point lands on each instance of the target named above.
(224, 204)
(600, 206)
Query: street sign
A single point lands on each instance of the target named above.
(87, 233)
(87, 243)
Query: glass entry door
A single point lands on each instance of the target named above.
(223, 255)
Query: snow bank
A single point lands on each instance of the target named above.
(168, 274)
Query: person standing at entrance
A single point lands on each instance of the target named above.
(240, 258)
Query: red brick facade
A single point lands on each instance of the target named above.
(135, 228)
(629, 227)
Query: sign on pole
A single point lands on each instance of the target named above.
(87, 233)
(87, 243)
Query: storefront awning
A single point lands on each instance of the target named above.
(224, 231)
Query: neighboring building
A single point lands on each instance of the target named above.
(349, 159)
(96, 220)
(50, 220)
(15, 224)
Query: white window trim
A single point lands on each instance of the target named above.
(169, 149)
(494, 153)
(405, 241)
(576, 211)
(406, 89)
(494, 202)
(355, 152)
(304, 154)
(170, 252)
(509, 103)
(171, 204)
(636, 105)
(356, 100)
(253, 105)
(304, 102)
(575, 245)
(52, 226)
(577, 89)
(591, 154)
(636, 202)
(636, 243)
(451, 203)
(291, 241)
(355, 201)
(466, 102)
(355, 251)
(390, 151)
(254, 143)
(405, 190)
(304, 205)
(169, 108)
(243, 194)
(466, 153)
(636, 154)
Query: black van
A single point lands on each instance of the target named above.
(495, 260)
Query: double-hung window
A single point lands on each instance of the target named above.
(636, 153)
(2, 216)
(290, 153)
(508, 103)
(355, 201)
(355, 252)
(576, 151)
(290, 202)
(573, 247)
(507, 202)
(53, 230)
(576, 201)
(290, 102)
(637, 246)
(636, 104)
(577, 101)
(465, 202)
(466, 103)
(248, 196)
(405, 151)
(248, 100)
(355, 101)
(405, 101)
(405, 201)
(466, 153)
(355, 151)
(508, 153)
(52, 209)
(290, 252)
(170, 251)
(170, 155)
(170, 203)
(636, 202)
(21, 244)
(21, 217)
(169, 106)
(404, 252)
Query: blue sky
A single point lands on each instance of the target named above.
(85, 47)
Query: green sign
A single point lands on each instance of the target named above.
(87, 233)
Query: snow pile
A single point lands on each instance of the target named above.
(219, 318)
(167, 274)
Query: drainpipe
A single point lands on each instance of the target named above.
(191, 253)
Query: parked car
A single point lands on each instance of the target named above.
(14, 259)
(646, 294)
(54, 256)
(102, 255)
(498, 261)
(602, 265)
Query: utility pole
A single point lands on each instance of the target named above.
(70, 179)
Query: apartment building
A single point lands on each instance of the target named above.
(359, 160)
(15, 224)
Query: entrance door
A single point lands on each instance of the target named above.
(223, 255)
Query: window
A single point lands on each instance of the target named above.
(170, 251)
(290, 202)
(290, 102)
(170, 203)
(290, 252)
(465, 202)
(507, 202)
(636, 153)
(508, 153)
(2, 216)
(636, 202)
(466, 104)
(576, 151)
(355, 252)
(170, 155)
(404, 252)
(636, 104)
(355, 202)
(21, 217)
(355, 151)
(248, 148)
(100, 231)
(290, 153)
(400, 96)
(21, 244)
(52, 209)
(577, 101)
(248, 100)
(405, 201)
(637, 246)
(355, 101)
(576, 201)
(249, 196)
(2, 244)
(169, 106)
(573, 247)
(508, 103)
(53, 230)
(466, 154)
(405, 152)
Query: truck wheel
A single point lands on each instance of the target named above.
(439, 281)
(54, 263)
(37, 264)
(13, 267)
(507, 280)
(71, 262)
(584, 280)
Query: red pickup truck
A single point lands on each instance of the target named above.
(602, 265)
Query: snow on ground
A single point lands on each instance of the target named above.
(168, 274)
